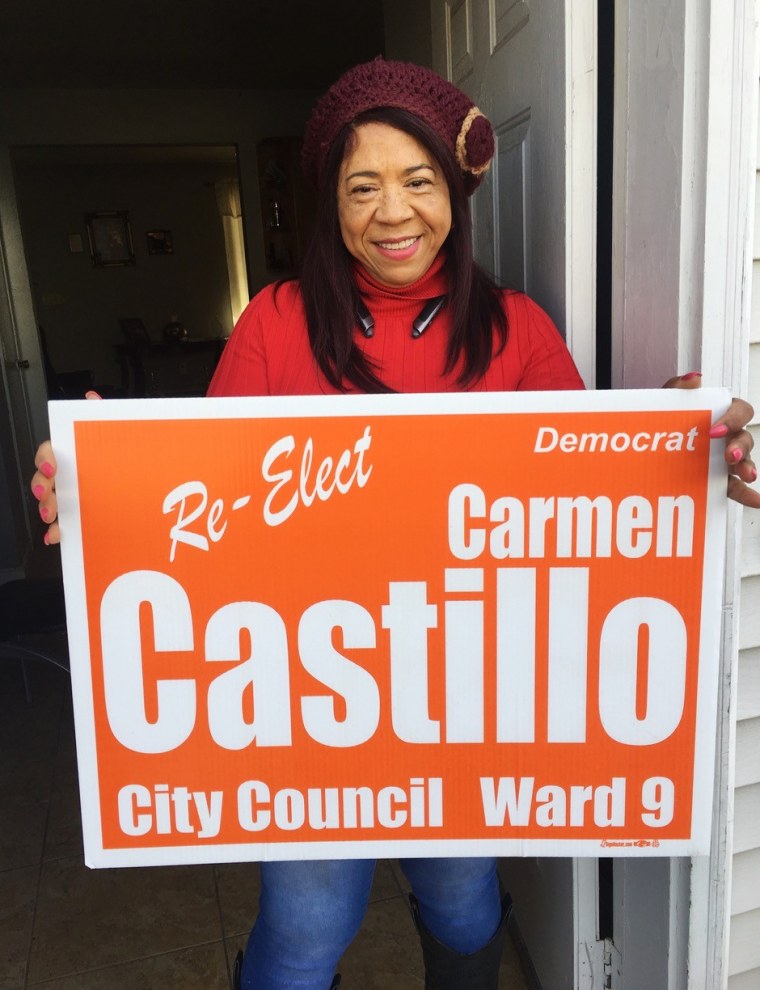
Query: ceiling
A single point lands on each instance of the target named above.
(123, 154)
(146, 44)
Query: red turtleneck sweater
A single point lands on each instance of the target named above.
(269, 354)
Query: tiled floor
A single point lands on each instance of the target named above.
(64, 927)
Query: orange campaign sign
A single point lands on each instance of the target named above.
(350, 626)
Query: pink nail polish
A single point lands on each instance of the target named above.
(44, 513)
(718, 431)
(753, 476)
(47, 469)
(46, 539)
(691, 374)
(38, 491)
(736, 455)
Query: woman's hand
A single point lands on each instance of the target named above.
(731, 426)
(43, 489)
(43, 486)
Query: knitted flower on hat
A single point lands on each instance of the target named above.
(420, 91)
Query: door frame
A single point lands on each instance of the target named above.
(581, 141)
(23, 377)
(686, 99)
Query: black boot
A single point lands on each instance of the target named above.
(238, 969)
(446, 969)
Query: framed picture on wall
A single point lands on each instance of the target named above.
(110, 238)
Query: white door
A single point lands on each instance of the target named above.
(530, 67)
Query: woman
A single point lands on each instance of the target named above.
(391, 300)
(394, 151)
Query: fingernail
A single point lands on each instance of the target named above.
(753, 475)
(46, 538)
(38, 491)
(718, 431)
(691, 374)
(47, 469)
(44, 512)
(736, 455)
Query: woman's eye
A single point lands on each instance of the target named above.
(362, 190)
(419, 183)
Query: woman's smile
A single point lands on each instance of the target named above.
(404, 248)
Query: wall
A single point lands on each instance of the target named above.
(133, 117)
(407, 32)
(162, 117)
(744, 941)
(78, 305)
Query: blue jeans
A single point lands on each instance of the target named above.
(310, 912)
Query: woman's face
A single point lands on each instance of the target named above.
(393, 204)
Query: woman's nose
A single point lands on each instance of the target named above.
(394, 206)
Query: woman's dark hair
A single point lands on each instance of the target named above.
(329, 289)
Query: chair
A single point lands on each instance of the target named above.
(130, 355)
(30, 610)
(135, 334)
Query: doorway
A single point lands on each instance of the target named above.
(107, 313)
(48, 307)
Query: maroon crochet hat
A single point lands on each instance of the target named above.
(380, 83)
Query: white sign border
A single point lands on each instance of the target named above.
(63, 416)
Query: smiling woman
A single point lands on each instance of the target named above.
(390, 299)
(393, 204)
(394, 152)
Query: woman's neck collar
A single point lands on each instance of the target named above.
(432, 283)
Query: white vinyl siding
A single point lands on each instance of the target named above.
(744, 942)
